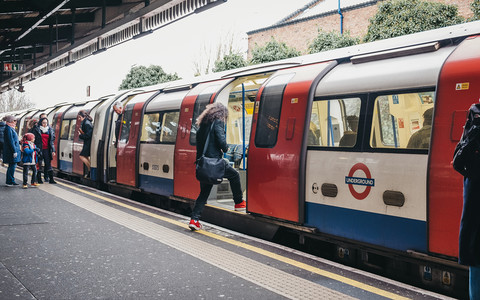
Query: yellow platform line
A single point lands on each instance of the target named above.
(269, 254)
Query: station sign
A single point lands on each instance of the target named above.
(11, 67)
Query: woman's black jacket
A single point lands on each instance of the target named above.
(217, 142)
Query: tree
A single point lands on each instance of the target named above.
(331, 40)
(140, 76)
(229, 62)
(13, 101)
(400, 17)
(475, 5)
(272, 51)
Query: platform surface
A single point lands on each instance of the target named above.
(67, 241)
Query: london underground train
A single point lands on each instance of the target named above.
(352, 145)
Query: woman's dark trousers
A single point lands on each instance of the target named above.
(232, 175)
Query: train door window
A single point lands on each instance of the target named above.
(169, 127)
(200, 104)
(65, 129)
(402, 121)
(334, 122)
(72, 129)
(126, 123)
(151, 128)
(269, 111)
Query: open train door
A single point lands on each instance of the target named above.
(185, 183)
(127, 162)
(276, 157)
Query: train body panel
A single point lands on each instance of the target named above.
(459, 88)
(156, 168)
(364, 196)
(186, 185)
(275, 152)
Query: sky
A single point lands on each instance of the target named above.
(175, 47)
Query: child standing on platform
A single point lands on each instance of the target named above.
(29, 158)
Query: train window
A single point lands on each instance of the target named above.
(160, 127)
(200, 104)
(269, 111)
(72, 129)
(126, 123)
(151, 128)
(65, 129)
(334, 122)
(402, 121)
(169, 127)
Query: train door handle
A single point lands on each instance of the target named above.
(69, 155)
(63, 154)
(146, 166)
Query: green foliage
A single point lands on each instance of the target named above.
(272, 51)
(142, 76)
(331, 40)
(229, 62)
(400, 17)
(475, 5)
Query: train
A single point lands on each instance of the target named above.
(323, 143)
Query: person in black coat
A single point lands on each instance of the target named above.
(2, 133)
(217, 114)
(44, 140)
(466, 162)
(86, 131)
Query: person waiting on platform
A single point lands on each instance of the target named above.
(349, 137)
(2, 133)
(11, 149)
(216, 114)
(44, 140)
(421, 138)
(29, 158)
(86, 130)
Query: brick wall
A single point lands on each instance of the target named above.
(301, 34)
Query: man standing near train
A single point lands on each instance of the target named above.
(11, 149)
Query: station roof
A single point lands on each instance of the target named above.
(44, 35)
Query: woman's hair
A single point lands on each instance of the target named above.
(28, 137)
(31, 123)
(41, 120)
(214, 111)
(84, 114)
(9, 119)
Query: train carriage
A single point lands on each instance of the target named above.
(352, 145)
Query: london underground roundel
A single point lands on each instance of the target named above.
(362, 178)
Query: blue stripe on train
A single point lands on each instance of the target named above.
(65, 166)
(383, 230)
(156, 185)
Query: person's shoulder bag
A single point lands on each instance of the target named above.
(209, 170)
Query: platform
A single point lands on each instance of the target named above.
(67, 241)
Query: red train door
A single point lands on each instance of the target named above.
(458, 89)
(276, 159)
(128, 139)
(185, 183)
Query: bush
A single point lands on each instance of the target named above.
(475, 5)
(272, 51)
(400, 17)
(229, 62)
(142, 76)
(331, 40)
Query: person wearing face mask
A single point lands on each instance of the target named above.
(44, 140)
(11, 149)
